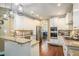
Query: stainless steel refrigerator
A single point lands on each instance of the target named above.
(38, 33)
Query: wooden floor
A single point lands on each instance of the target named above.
(52, 50)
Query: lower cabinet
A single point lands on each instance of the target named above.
(35, 50)
(15, 49)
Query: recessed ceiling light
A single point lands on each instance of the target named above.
(32, 12)
(16, 4)
(59, 4)
(37, 15)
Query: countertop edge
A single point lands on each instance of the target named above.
(33, 44)
(15, 40)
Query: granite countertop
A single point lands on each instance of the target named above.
(20, 40)
(57, 41)
(17, 40)
(66, 41)
(73, 46)
(72, 43)
(34, 42)
(71, 38)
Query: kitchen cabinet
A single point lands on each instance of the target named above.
(75, 16)
(35, 50)
(73, 51)
(63, 23)
(69, 20)
(17, 48)
(25, 23)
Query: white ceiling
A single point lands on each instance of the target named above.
(44, 10)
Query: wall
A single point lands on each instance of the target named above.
(25, 23)
(1, 45)
(1, 41)
(1, 30)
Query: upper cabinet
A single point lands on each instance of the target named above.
(69, 20)
(62, 23)
(76, 16)
(25, 23)
(53, 22)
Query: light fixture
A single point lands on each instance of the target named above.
(59, 4)
(11, 12)
(37, 15)
(20, 8)
(16, 4)
(32, 12)
(5, 16)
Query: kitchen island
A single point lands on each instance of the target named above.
(18, 46)
(59, 42)
(72, 46)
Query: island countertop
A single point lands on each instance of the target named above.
(34, 42)
(69, 42)
(14, 39)
(20, 40)
(72, 43)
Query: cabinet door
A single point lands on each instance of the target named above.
(76, 16)
(35, 50)
(15, 49)
(24, 49)
(9, 48)
(76, 19)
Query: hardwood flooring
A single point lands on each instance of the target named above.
(50, 50)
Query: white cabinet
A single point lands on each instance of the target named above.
(15, 49)
(35, 50)
(61, 22)
(76, 16)
(53, 22)
(69, 20)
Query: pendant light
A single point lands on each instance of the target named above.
(5, 16)
(11, 13)
(20, 10)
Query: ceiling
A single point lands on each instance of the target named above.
(41, 10)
